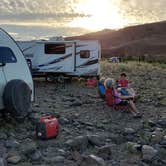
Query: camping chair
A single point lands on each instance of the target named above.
(101, 90)
(110, 100)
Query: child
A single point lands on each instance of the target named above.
(123, 86)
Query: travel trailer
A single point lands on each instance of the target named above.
(59, 57)
(16, 84)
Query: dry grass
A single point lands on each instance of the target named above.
(114, 69)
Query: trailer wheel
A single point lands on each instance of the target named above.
(17, 98)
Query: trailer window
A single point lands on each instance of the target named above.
(7, 55)
(55, 49)
(84, 54)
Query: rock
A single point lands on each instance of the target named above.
(162, 122)
(89, 128)
(143, 164)
(36, 105)
(56, 159)
(151, 123)
(157, 135)
(28, 164)
(92, 160)
(78, 143)
(36, 156)
(3, 162)
(163, 143)
(96, 140)
(129, 137)
(76, 156)
(62, 152)
(14, 159)
(75, 103)
(116, 138)
(145, 137)
(163, 102)
(59, 159)
(164, 137)
(12, 144)
(148, 152)
(63, 121)
(3, 150)
(28, 148)
(133, 147)
(129, 131)
(104, 152)
(3, 136)
(86, 123)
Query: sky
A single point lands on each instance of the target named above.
(33, 19)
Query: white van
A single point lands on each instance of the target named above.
(16, 84)
(70, 58)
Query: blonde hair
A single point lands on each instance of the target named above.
(102, 79)
(108, 83)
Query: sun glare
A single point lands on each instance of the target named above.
(101, 14)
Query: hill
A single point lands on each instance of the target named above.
(147, 41)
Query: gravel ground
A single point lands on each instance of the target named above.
(91, 133)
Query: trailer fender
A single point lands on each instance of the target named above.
(17, 98)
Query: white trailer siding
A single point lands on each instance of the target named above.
(80, 58)
(62, 63)
(91, 64)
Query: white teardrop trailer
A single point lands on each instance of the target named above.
(56, 57)
(16, 84)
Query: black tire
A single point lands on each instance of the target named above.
(17, 98)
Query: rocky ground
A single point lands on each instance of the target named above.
(91, 133)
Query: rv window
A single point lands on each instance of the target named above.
(7, 55)
(54, 48)
(85, 54)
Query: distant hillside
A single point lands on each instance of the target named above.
(147, 41)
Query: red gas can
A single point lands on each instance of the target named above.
(47, 127)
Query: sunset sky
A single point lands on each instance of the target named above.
(38, 18)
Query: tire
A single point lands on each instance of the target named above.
(17, 98)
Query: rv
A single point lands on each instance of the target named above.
(59, 57)
(16, 84)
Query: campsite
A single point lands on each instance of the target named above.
(90, 132)
(53, 55)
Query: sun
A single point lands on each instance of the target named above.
(101, 14)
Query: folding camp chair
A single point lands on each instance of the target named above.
(101, 90)
(110, 100)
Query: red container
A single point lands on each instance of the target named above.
(91, 82)
(47, 127)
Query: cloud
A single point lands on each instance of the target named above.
(142, 10)
(25, 32)
(63, 11)
(28, 10)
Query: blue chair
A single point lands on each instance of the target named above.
(101, 90)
